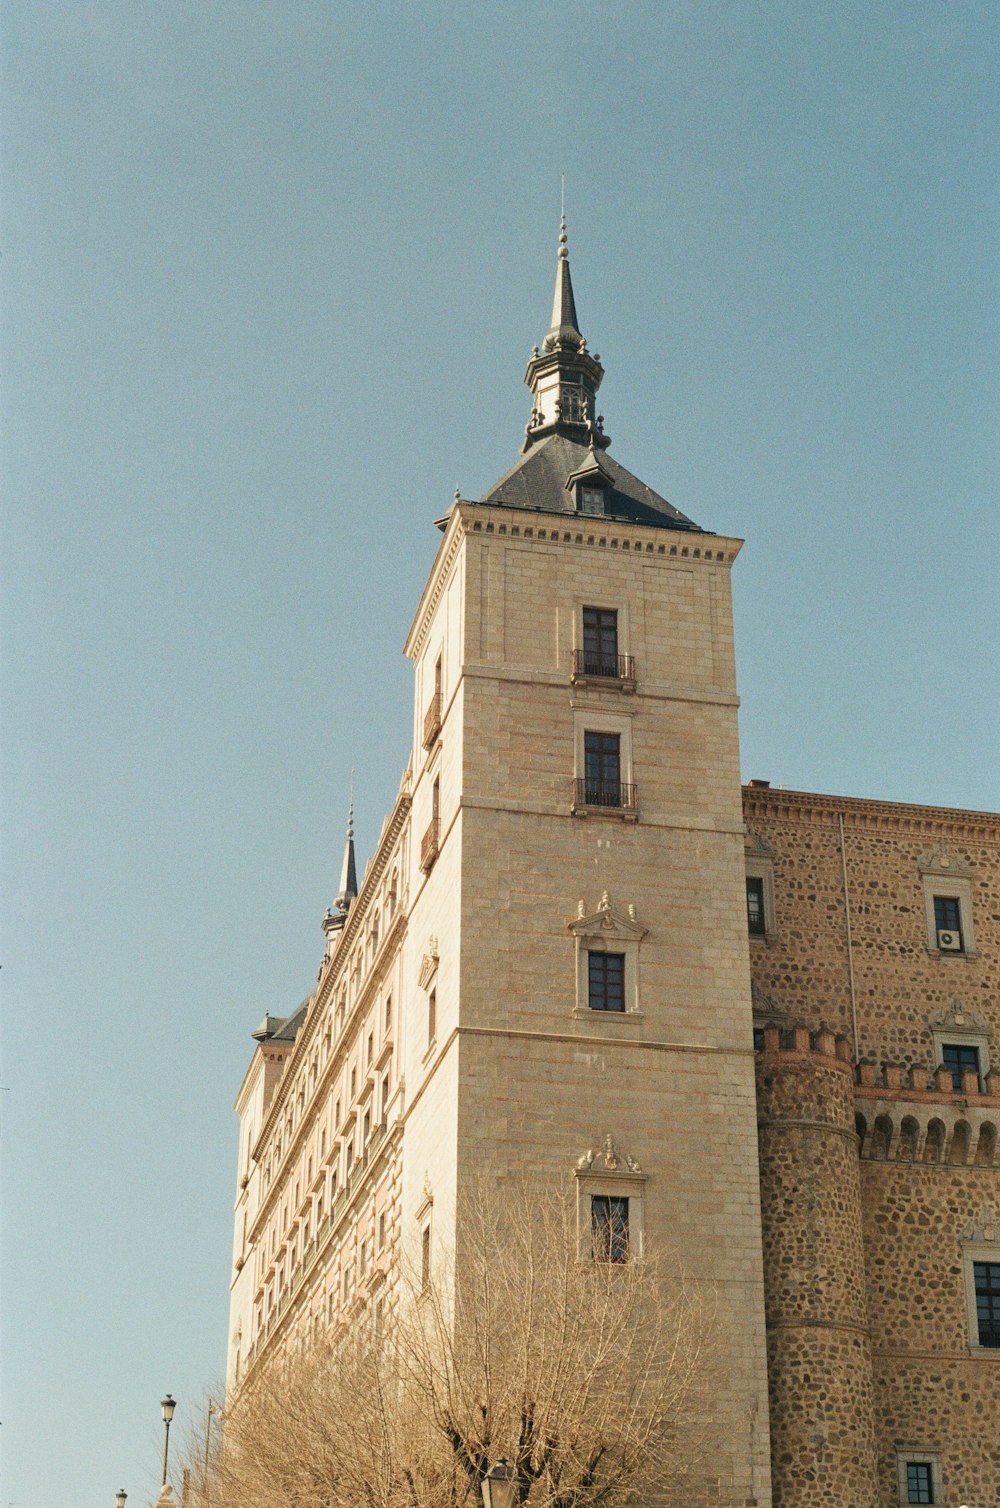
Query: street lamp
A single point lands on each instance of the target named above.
(120, 1497)
(167, 1406)
(499, 1486)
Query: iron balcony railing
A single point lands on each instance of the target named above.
(432, 720)
(614, 794)
(608, 667)
(430, 844)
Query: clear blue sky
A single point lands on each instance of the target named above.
(271, 272)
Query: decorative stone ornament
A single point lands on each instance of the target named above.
(984, 1227)
(608, 1159)
(755, 844)
(429, 963)
(958, 1016)
(942, 860)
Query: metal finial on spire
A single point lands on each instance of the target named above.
(563, 237)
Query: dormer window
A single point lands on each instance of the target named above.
(590, 499)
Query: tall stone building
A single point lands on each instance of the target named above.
(755, 1024)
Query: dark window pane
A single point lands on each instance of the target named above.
(609, 1225)
(987, 1280)
(602, 768)
(606, 981)
(948, 917)
(918, 1482)
(600, 641)
(958, 1056)
(755, 906)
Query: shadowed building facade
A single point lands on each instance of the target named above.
(581, 950)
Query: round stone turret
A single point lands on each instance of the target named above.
(819, 1350)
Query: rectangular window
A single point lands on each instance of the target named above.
(431, 1016)
(591, 499)
(381, 1230)
(602, 769)
(958, 1056)
(919, 1487)
(385, 1096)
(948, 923)
(600, 641)
(606, 981)
(425, 1258)
(755, 906)
(987, 1280)
(388, 1012)
(609, 1228)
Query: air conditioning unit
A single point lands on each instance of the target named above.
(949, 942)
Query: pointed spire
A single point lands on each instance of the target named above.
(348, 873)
(564, 330)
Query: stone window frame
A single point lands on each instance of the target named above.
(978, 1242)
(943, 873)
(591, 720)
(758, 862)
(613, 1175)
(425, 1248)
(913, 1455)
(604, 930)
(960, 1028)
(427, 980)
(609, 602)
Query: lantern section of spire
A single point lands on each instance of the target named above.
(563, 376)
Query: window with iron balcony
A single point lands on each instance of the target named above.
(599, 659)
(601, 786)
(432, 717)
(430, 842)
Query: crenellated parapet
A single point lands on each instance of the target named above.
(914, 1116)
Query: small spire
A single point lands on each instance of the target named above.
(564, 376)
(564, 330)
(348, 872)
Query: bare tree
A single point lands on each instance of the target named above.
(591, 1377)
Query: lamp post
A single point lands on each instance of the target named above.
(167, 1406)
(499, 1486)
(120, 1497)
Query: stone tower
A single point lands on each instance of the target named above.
(577, 965)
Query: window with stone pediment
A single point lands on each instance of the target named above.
(607, 960)
(611, 1189)
(961, 1040)
(946, 882)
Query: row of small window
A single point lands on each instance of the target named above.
(947, 917)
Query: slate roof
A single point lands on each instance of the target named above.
(282, 1028)
(538, 481)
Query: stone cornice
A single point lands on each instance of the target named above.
(441, 569)
(863, 814)
(588, 530)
